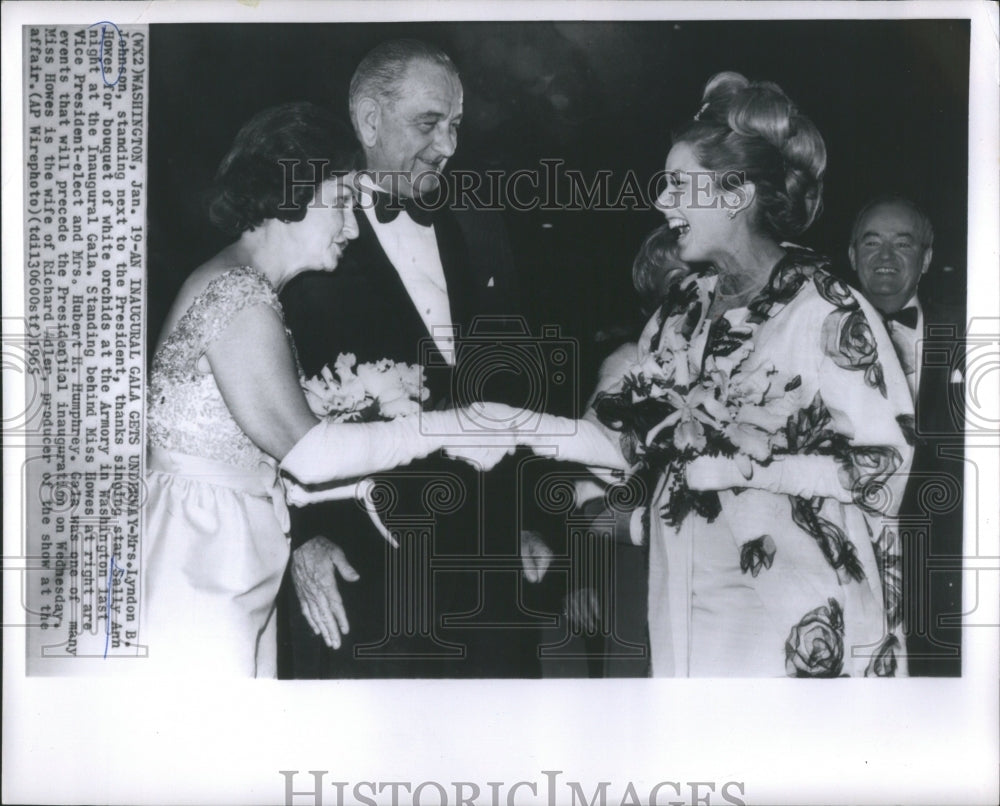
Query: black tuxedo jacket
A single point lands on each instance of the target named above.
(931, 513)
(363, 308)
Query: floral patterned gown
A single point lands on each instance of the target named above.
(214, 539)
(803, 578)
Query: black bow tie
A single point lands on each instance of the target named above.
(907, 317)
(388, 209)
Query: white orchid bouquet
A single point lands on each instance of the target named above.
(361, 393)
(352, 392)
(673, 406)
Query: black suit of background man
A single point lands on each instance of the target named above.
(891, 251)
(932, 509)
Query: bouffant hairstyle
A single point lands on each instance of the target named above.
(381, 72)
(276, 164)
(749, 131)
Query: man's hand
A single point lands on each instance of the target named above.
(536, 556)
(583, 611)
(314, 571)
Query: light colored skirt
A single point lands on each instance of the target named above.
(214, 552)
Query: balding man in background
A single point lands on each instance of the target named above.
(891, 252)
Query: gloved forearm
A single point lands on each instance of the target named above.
(332, 451)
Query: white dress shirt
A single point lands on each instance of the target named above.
(907, 343)
(413, 251)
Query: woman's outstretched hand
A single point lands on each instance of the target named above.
(483, 435)
(484, 432)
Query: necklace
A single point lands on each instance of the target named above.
(737, 299)
(728, 280)
(750, 277)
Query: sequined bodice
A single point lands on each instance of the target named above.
(185, 409)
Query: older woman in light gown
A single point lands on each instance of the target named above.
(225, 406)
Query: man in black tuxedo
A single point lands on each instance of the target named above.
(891, 250)
(408, 289)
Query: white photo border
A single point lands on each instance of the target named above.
(87, 740)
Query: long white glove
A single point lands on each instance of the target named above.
(800, 475)
(332, 452)
(582, 441)
(335, 451)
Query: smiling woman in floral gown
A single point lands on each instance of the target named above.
(767, 418)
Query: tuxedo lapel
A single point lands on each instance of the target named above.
(385, 280)
(364, 308)
(455, 263)
(382, 280)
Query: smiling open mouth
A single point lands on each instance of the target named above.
(679, 227)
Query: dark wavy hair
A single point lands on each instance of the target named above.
(750, 131)
(276, 163)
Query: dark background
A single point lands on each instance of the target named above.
(890, 98)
